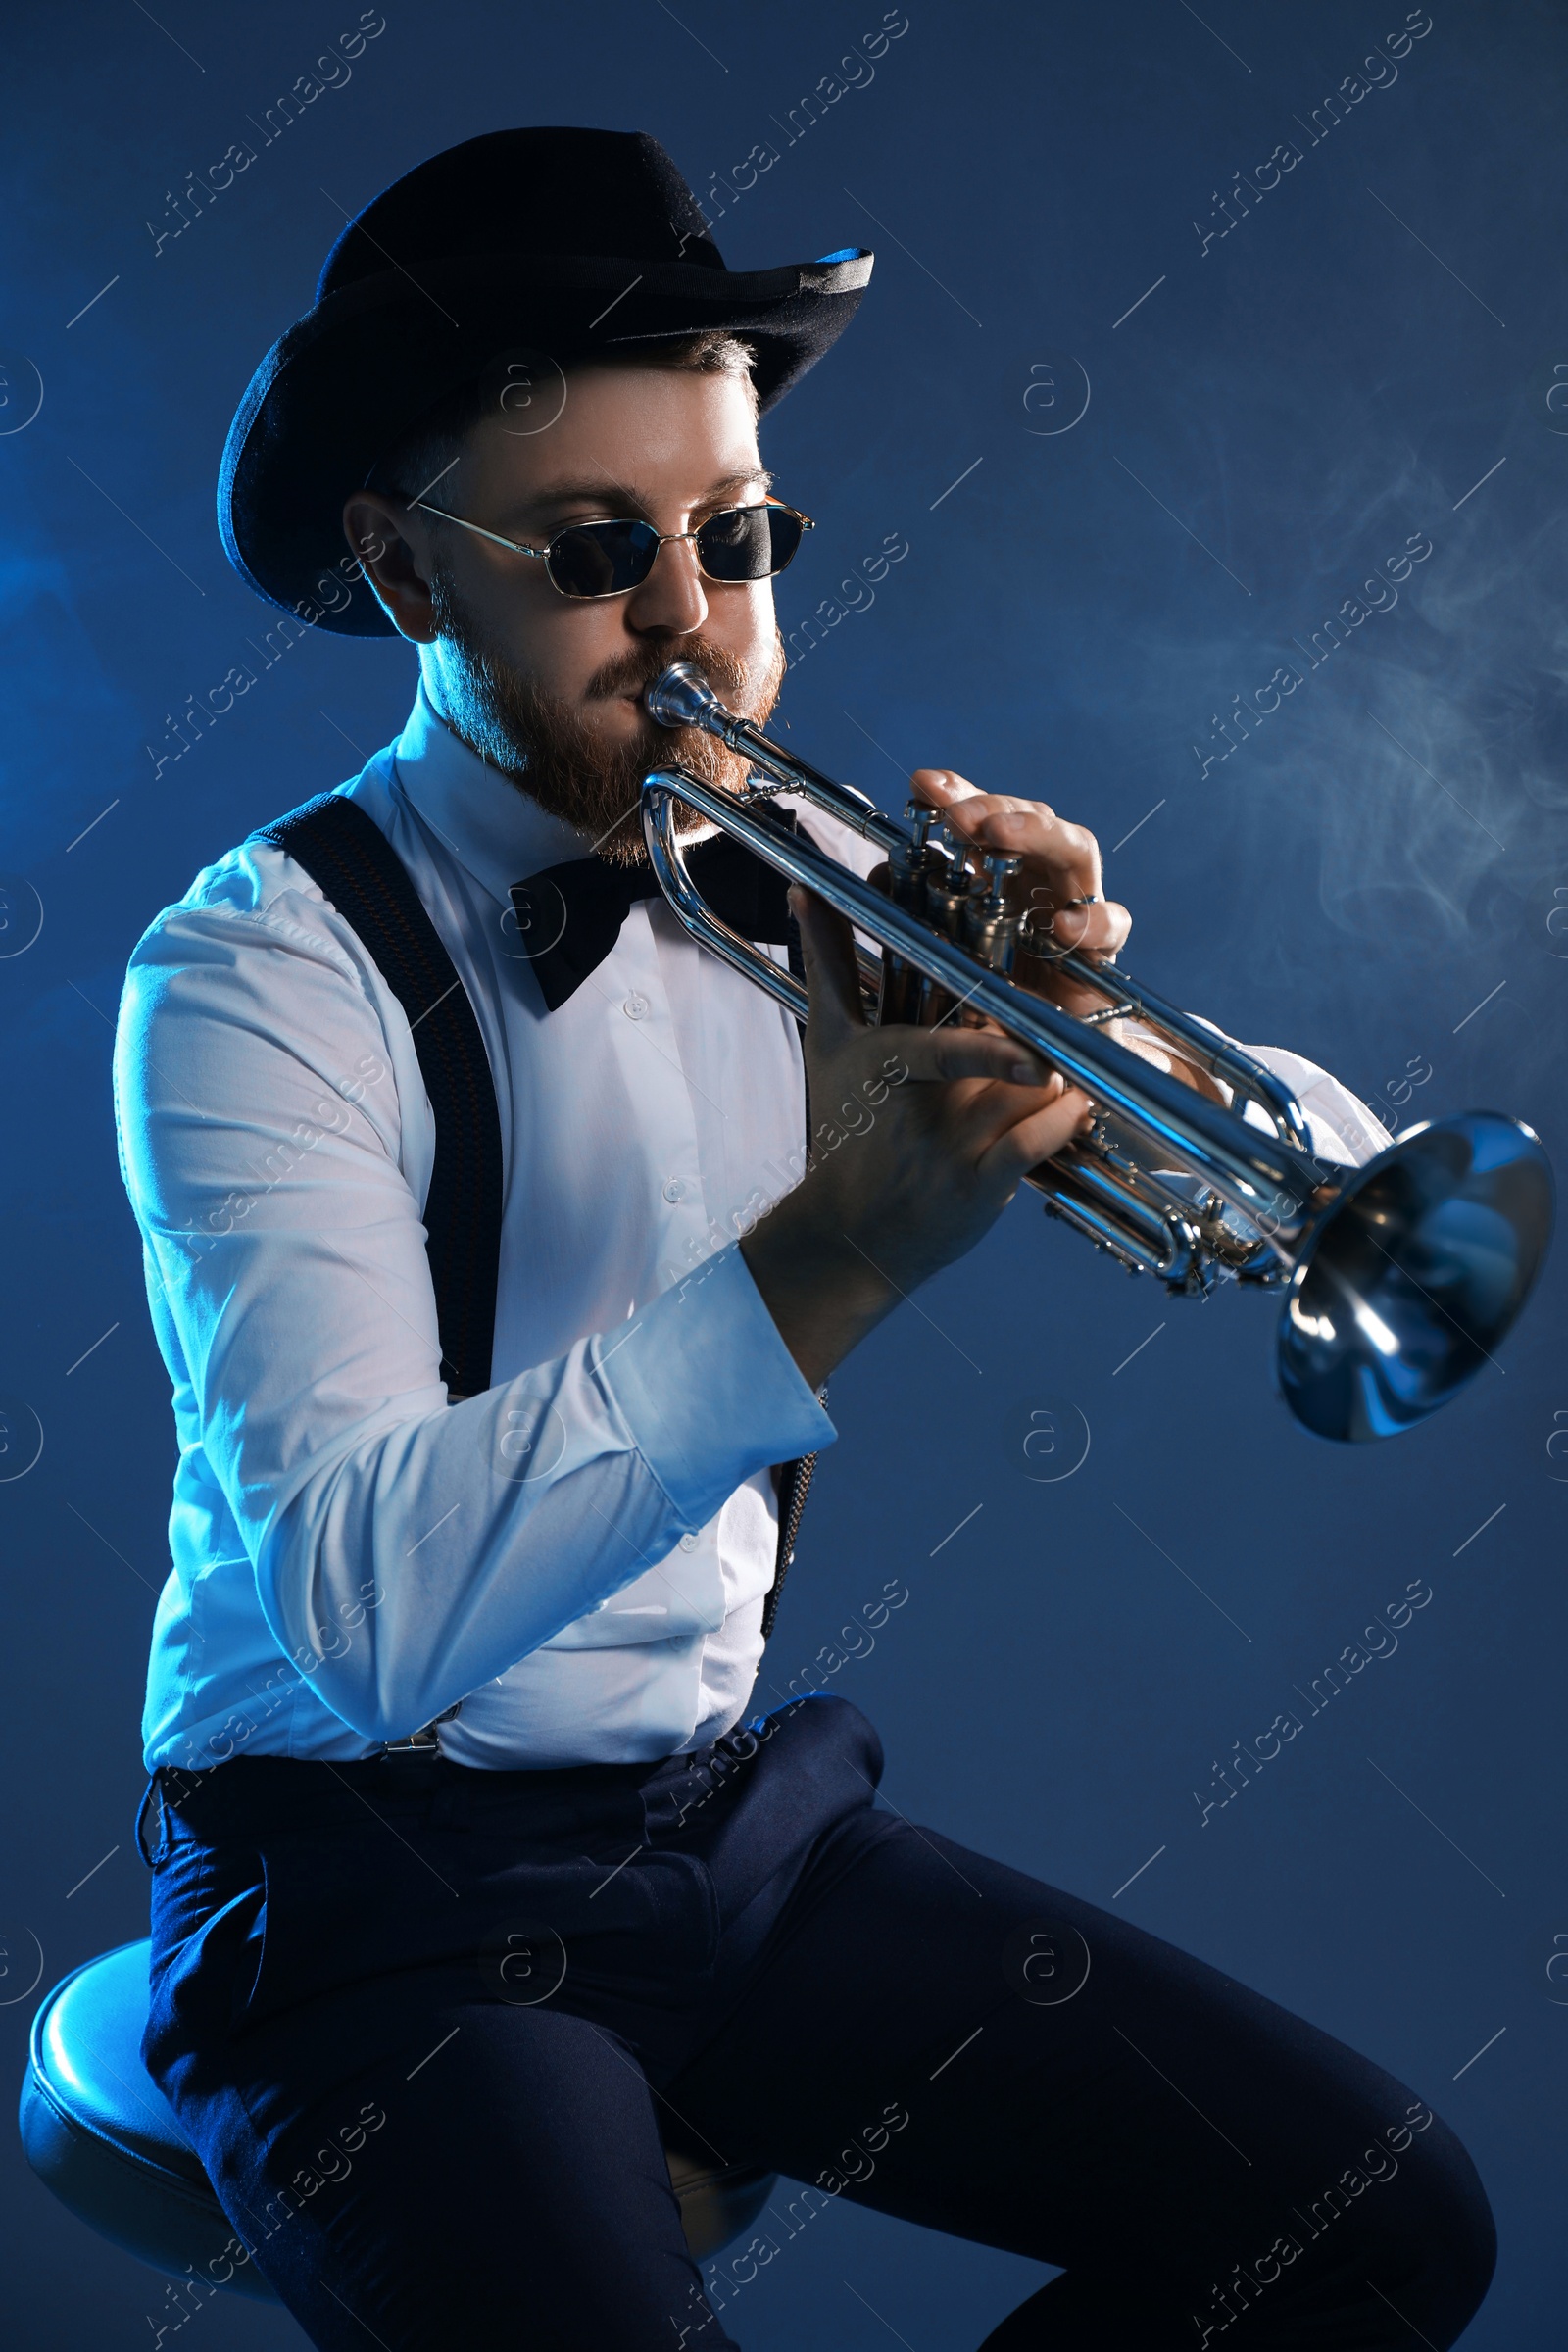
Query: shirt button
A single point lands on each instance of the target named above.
(688, 1541)
(675, 1189)
(635, 1007)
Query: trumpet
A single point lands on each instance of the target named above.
(1399, 1278)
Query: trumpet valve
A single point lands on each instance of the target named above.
(1000, 867)
(946, 893)
(948, 856)
(990, 930)
(922, 816)
(909, 866)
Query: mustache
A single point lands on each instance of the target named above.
(633, 672)
(549, 747)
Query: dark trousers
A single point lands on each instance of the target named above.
(430, 2029)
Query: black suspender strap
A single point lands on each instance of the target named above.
(794, 1484)
(349, 858)
(355, 866)
(792, 1480)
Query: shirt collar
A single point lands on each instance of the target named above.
(490, 825)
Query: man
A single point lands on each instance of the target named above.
(470, 1899)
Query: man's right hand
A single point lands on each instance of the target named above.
(920, 1139)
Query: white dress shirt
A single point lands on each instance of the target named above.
(580, 1555)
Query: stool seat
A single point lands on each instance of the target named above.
(98, 2132)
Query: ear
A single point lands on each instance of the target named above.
(393, 548)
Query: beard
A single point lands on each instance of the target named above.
(549, 751)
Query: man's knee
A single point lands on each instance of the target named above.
(1428, 2244)
(1463, 2232)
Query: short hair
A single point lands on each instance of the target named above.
(428, 447)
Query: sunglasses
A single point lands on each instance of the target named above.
(606, 559)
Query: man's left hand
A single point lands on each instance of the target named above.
(1060, 868)
(1061, 878)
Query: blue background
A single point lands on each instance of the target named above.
(1379, 859)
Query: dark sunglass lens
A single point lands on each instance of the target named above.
(602, 559)
(748, 543)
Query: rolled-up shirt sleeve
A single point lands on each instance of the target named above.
(405, 1549)
(1341, 1129)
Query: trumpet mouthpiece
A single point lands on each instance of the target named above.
(680, 697)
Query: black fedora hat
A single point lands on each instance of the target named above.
(559, 240)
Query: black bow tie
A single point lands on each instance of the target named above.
(569, 916)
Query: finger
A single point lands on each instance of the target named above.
(1059, 878)
(974, 808)
(1060, 862)
(1038, 1135)
(1027, 830)
(1098, 929)
(979, 1111)
(1068, 855)
(1001, 820)
(948, 1053)
(832, 979)
(940, 787)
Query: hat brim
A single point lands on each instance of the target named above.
(367, 362)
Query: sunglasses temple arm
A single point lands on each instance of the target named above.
(516, 546)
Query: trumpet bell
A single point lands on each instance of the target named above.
(1414, 1276)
